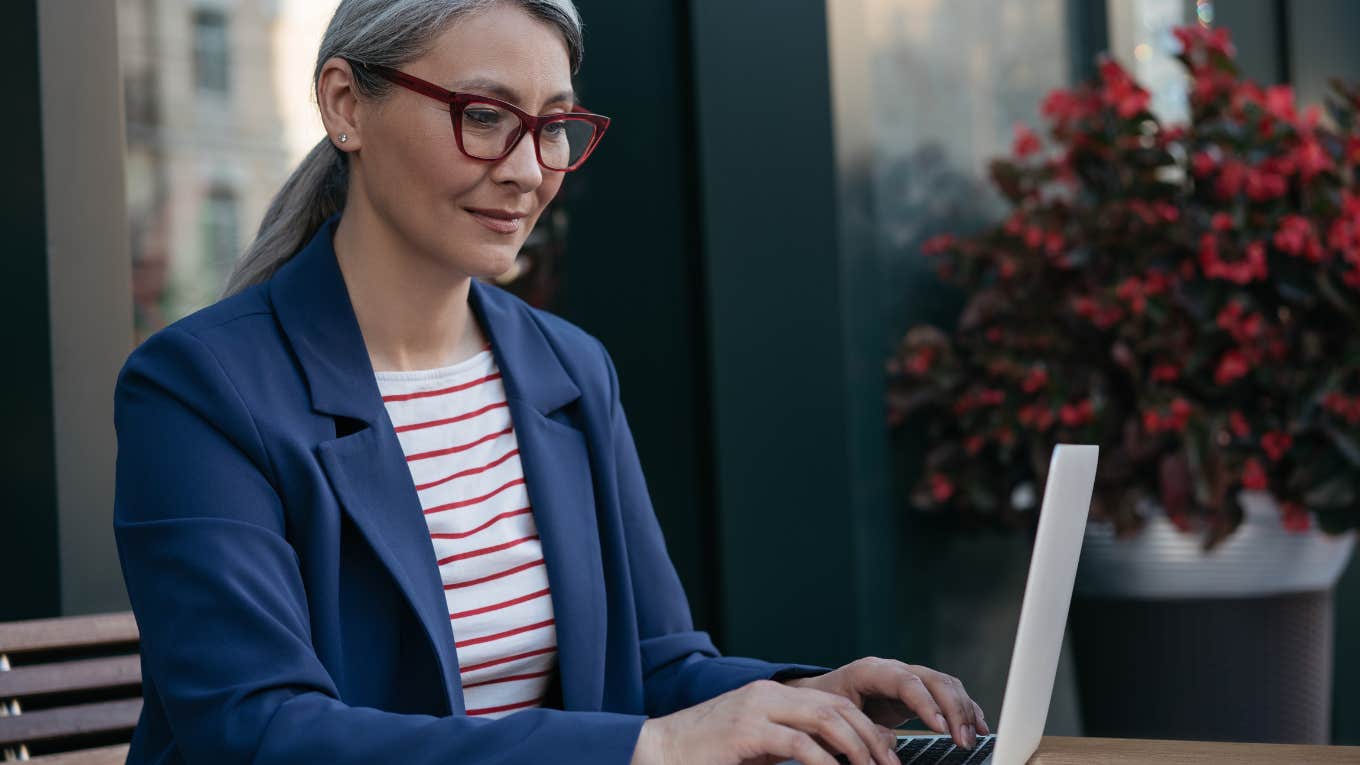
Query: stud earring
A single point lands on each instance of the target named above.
(344, 137)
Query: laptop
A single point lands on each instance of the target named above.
(1043, 617)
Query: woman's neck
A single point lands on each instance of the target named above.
(413, 311)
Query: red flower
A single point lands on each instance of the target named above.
(1238, 424)
(1197, 42)
(1005, 267)
(1263, 185)
(1311, 159)
(1078, 414)
(1345, 407)
(1155, 422)
(1231, 367)
(919, 363)
(973, 445)
(1275, 444)
(1035, 416)
(1121, 91)
(1180, 413)
(1026, 142)
(1279, 103)
(1208, 252)
(1312, 115)
(1296, 237)
(1152, 421)
(1054, 244)
(1063, 107)
(1295, 517)
(1203, 164)
(940, 488)
(1034, 237)
(1004, 436)
(1165, 372)
(1253, 475)
(1131, 291)
(1103, 316)
(1244, 327)
(1221, 222)
(1035, 380)
(1231, 177)
(938, 244)
(1252, 266)
(991, 397)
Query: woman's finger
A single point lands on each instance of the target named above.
(837, 721)
(982, 720)
(793, 744)
(958, 707)
(911, 690)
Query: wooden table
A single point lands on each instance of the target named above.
(1059, 750)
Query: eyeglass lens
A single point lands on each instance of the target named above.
(488, 130)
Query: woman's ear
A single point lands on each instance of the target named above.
(338, 98)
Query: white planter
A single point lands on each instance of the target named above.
(1260, 558)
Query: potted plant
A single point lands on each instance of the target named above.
(1188, 297)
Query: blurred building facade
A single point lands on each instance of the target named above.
(216, 94)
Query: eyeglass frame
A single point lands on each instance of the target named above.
(528, 123)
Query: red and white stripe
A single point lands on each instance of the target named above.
(455, 429)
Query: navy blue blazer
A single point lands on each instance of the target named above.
(281, 571)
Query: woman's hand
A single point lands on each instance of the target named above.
(890, 692)
(765, 722)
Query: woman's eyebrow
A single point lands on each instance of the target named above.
(504, 93)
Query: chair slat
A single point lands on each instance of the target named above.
(104, 755)
(68, 632)
(47, 724)
(66, 676)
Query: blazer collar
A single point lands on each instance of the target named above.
(314, 310)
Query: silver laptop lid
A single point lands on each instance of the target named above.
(1048, 592)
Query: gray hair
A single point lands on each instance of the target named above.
(384, 32)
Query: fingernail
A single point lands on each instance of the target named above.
(940, 723)
(972, 736)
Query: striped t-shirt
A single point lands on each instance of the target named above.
(455, 429)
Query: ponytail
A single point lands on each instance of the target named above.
(314, 192)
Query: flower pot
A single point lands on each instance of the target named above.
(1171, 641)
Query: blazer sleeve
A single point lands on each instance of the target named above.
(681, 667)
(222, 608)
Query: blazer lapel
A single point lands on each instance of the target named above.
(373, 484)
(557, 472)
(364, 463)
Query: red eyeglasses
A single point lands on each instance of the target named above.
(489, 129)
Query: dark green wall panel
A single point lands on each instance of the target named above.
(633, 270)
(29, 564)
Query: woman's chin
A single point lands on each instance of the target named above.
(491, 263)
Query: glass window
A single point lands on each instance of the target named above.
(934, 91)
(212, 51)
(220, 221)
(1141, 39)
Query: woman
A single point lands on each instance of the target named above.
(370, 509)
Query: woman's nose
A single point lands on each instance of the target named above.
(520, 166)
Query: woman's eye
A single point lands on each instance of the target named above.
(482, 117)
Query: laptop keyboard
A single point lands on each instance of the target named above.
(942, 751)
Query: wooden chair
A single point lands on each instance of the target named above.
(70, 689)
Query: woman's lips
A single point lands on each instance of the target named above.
(500, 225)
